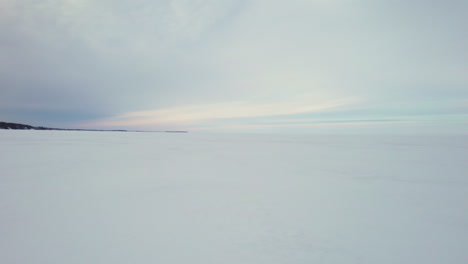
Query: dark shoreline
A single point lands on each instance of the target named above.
(17, 126)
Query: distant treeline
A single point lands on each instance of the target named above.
(7, 125)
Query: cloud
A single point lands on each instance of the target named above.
(195, 115)
(146, 61)
(114, 55)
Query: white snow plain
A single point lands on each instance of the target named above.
(119, 198)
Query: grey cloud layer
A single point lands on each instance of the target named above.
(106, 56)
(99, 59)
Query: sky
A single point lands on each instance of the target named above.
(305, 66)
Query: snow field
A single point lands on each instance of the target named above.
(111, 197)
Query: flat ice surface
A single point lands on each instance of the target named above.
(110, 198)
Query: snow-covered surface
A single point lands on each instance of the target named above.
(111, 198)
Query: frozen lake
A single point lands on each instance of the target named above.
(114, 198)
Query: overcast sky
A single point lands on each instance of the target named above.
(307, 66)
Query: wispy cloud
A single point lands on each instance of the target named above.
(291, 127)
(195, 115)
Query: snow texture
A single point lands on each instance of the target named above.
(115, 198)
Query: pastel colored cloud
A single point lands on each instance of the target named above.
(190, 115)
